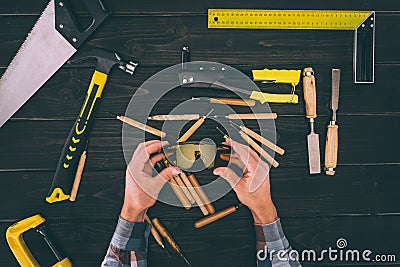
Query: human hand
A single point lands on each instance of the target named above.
(253, 188)
(141, 188)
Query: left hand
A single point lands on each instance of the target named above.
(141, 188)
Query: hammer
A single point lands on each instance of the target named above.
(75, 144)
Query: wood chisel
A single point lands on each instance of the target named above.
(332, 135)
(216, 216)
(177, 180)
(74, 145)
(260, 139)
(139, 125)
(255, 146)
(207, 203)
(78, 175)
(191, 117)
(310, 98)
(194, 128)
(227, 101)
(171, 241)
(194, 193)
(156, 235)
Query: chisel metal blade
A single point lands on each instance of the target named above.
(314, 160)
(44, 51)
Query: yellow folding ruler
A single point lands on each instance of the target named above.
(362, 22)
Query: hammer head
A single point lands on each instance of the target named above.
(105, 60)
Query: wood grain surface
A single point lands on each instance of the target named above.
(360, 203)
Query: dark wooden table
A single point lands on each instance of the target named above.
(360, 203)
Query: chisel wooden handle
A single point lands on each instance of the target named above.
(163, 231)
(259, 149)
(262, 140)
(233, 101)
(310, 93)
(331, 149)
(142, 126)
(154, 232)
(193, 192)
(207, 203)
(251, 116)
(78, 177)
(179, 194)
(184, 117)
(214, 217)
(191, 131)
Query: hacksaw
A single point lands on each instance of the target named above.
(361, 22)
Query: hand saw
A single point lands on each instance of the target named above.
(55, 37)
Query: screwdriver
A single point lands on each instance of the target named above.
(163, 231)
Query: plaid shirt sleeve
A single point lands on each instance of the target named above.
(128, 247)
(273, 248)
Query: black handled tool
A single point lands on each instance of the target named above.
(69, 159)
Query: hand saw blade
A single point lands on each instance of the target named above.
(44, 51)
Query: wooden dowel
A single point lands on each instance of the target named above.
(233, 101)
(207, 203)
(193, 192)
(258, 148)
(142, 126)
(253, 116)
(78, 177)
(263, 140)
(184, 189)
(191, 131)
(184, 117)
(154, 232)
(163, 231)
(215, 217)
(179, 194)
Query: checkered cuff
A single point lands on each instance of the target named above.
(271, 235)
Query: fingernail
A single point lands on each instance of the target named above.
(176, 172)
(217, 172)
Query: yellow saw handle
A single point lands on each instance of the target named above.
(291, 77)
(76, 141)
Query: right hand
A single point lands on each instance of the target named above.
(253, 188)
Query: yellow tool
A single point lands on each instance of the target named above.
(362, 22)
(291, 77)
(14, 236)
(68, 162)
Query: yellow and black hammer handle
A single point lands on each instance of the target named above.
(67, 165)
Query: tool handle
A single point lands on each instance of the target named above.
(193, 192)
(179, 194)
(70, 28)
(185, 117)
(233, 101)
(184, 189)
(259, 149)
(263, 140)
(214, 217)
(154, 232)
(78, 177)
(251, 116)
(164, 233)
(142, 126)
(331, 149)
(191, 130)
(76, 141)
(310, 93)
(274, 98)
(207, 203)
